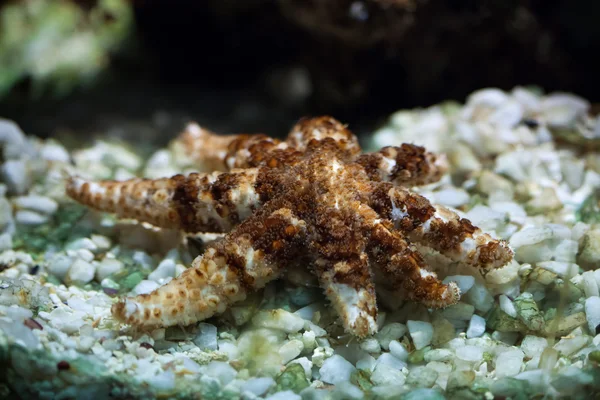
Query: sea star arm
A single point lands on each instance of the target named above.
(199, 202)
(406, 165)
(309, 132)
(404, 270)
(439, 228)
(209, 151)
(349, 287)
(252, 255)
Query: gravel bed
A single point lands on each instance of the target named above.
(523, 167)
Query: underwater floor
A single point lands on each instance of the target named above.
(524, 167)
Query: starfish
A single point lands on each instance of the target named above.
(312, 199)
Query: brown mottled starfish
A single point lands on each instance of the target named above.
(312, 199)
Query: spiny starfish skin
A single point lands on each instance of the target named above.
(312, 199)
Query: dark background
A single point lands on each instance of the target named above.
(259, 65)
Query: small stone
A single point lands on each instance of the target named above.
(293, 378)
(469, 353)
(533, 346)
(422, 377)
(570, 344)
(423, 394)
(421, 333)
(53, 151)
(164, 381)
(6, 242)
(224, 372)
(592, 313)
(476, 326)
(80, 272)
(384, 374)
(291, 350)
(366, 363)
(305, 363)
(166, 269)
(464, 282)
(82, 243)
(509, 363)
(389, 332)
(389, 359)
(26, 217)
(398, 350)
(145, 287)
(15, 174)
(507, 306)
(40, 204)
(336, 369)
(458, 312)
(108, 267)
(528, 312)
(206, 339)
(439, 355)
(370, 345)
(258, 386)
(284, 395)
(480, 297)
(278, 319)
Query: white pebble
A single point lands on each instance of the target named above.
(533, 346)
(305, 363)
(258, 386)
(145, 287)
(421, 333)
(206, 339)
(509, 363)
(507, 306)
(336, 369)
(224, 372)
(389, 332)
(592, 312)
(398, 350)
(80, 305)
(278, 319)
(389, 359)
(164, 381)
(108, 267)
(285, 395)
(590, 287)
(469, 353)
(464, 282)
(166, 269)
(384, 374)
(26, 217)
(41, 204)
(476, 326)
(366, 363)
(346, 390)
(12, 139)
(480, 298)
(439, 355)
(290, 350)
(80, 272)
(82, 243)
(370, 345)
(5, 241)
(570, 344)
(52, 151)
(15, 174)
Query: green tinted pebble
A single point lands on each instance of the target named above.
(132, 280)
(594, 356)
(418, 356)
(293, 378)
(362, 379)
